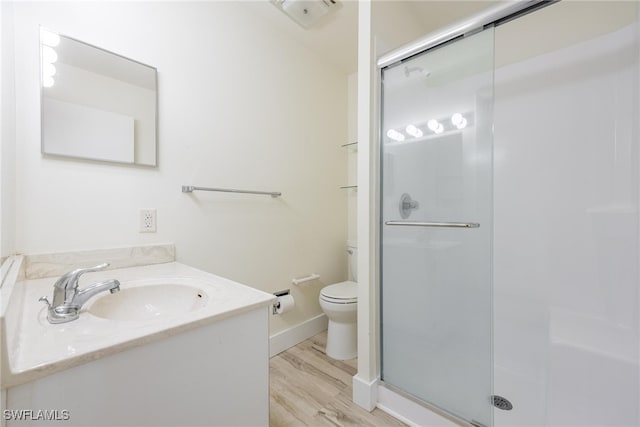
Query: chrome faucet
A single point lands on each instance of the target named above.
(68, 299)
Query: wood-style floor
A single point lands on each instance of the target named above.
(310, 389)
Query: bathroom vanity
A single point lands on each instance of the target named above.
(176, 346)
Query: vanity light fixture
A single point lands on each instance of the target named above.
(435, 126)
(49, 55)
(48, 38)
(48, 69)
(458, 121)
(47, 81)
(413, 131)
(395, 135)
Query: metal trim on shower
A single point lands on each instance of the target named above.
(500, 13)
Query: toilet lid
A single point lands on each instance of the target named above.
(343, 292)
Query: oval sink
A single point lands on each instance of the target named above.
(148, 302)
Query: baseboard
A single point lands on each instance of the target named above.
(409, 411)
(289, 337)
(365, 393)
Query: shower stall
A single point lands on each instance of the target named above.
(509, 240)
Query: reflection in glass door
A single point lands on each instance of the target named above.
(436, 154)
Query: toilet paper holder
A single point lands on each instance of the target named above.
(276, 305)
(309, 278)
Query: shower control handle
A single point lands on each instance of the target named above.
(407, 204)
(410, 205)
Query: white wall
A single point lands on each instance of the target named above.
(7, 144)
(241, 106)
(8, 135)
(398, 22)
(394, 23)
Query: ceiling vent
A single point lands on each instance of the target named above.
(306, 12)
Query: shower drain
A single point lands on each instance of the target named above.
(501, 403)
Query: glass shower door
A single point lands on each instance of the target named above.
(436, 204)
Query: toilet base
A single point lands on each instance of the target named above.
(342, 340)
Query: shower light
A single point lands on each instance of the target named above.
(49, 55)
(413, 131)
(395, 135)
(48, 38)
(433, 124)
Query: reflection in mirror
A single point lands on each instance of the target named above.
(96, 104)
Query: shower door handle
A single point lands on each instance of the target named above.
(435, 224)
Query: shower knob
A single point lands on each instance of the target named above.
(407, 204)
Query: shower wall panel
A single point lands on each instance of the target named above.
(566, 234)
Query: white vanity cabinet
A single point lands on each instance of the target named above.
(210, 368)
(213, 375)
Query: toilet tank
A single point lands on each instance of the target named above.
(352, 250)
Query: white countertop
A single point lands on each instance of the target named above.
(39, 348)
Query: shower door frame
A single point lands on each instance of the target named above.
(492, 17)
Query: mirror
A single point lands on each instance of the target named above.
(96, 104)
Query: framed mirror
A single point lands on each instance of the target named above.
(96, 104)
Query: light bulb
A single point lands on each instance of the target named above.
(48, 70)
(47, 81)
(456, 119)
(462, 124)
(433, 124)
(395, 135)
(48, 38)
(49, 55)
(439, 129)
(413, 131)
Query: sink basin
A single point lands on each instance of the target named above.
(149, 302)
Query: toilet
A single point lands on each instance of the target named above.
(340, 303)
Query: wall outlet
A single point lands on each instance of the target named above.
(147, 220)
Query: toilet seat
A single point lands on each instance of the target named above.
(340, 293)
